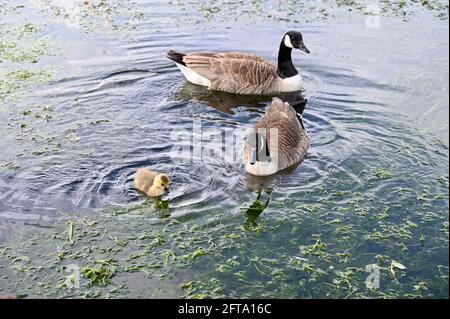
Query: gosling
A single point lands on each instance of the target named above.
(151, 183)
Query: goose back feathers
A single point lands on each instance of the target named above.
(276, 142)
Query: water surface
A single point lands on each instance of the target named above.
(101, 100)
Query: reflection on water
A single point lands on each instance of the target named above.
(162, 206)
(221, 101)
(255, 210)
(258, 183)
(159, 203)
(226, 102)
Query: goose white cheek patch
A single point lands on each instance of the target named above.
(287, 42)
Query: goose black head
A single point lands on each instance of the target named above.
(294, 40)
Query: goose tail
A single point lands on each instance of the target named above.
(277, 106)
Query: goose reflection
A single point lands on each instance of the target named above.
(159, 204)
(221, 101)
(259, 183)
(227, 102)
(162, 207)
(255, 210)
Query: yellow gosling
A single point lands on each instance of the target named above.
(151, 183)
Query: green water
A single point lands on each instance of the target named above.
(87, 97)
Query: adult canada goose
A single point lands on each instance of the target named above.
(152, 183)
(244, 73)
(278, 141)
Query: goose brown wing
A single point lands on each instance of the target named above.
(231, 55)
(232, 73)
(281, 116)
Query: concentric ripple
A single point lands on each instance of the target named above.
(121, 105)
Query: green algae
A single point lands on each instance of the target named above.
(228, 253)
(253, 212)
(295, 12)
(381, 173)
(112, 17)
(98, 275)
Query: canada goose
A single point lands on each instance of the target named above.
(277, 141)
(151, 183)
(244, 73)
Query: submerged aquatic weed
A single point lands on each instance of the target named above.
(345, 277)
(168, 256)
(162, 204)
(20, 75)
(195, 254)
(227, 266)
(421, 286)
(381, 173)
(288, 12)
(20, 46)
(389, 232)
(344, 257)
(97, 275)
(312, 267)
(254, 211)
(300, 264)
(316, 249)
(119, 242)
(70, 233)
(344, 230)
(383, 214)
(7, 87)
(196, 289)
(15, 81)
(112, 17)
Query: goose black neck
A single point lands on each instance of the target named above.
(286, 68)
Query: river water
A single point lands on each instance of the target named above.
(96, 99)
